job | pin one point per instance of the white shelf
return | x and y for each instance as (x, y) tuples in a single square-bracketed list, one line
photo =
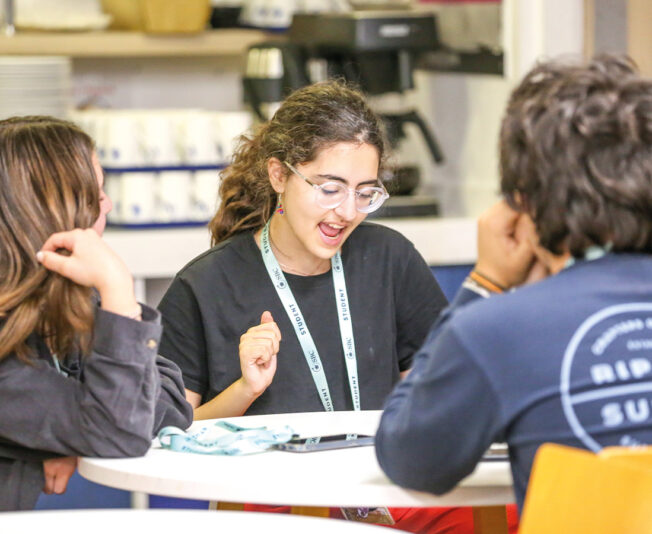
[(161, 253)]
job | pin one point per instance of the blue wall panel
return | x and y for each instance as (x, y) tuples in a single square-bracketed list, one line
[(450, 277), (84, 494)]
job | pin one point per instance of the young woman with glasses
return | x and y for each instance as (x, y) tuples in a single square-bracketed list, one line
[(79, 371), (301, 305), (255, 322)]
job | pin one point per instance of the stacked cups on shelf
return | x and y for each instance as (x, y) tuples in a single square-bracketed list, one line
[(162, 135), (162, 166), (201, 147)]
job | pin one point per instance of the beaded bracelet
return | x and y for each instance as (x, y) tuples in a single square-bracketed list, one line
[(483, 281)]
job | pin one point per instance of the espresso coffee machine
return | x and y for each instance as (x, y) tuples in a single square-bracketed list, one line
[(376, 50)]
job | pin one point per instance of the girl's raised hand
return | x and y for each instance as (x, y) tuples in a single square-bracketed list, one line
[(258, 349), (84, 258)]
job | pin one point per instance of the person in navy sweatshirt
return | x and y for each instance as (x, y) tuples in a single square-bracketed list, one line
[(550, 337)]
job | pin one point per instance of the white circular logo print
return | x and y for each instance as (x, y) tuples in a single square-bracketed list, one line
[(609, 363)]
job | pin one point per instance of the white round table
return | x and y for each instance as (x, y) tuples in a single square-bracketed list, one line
[(345, 477), (165, 521)]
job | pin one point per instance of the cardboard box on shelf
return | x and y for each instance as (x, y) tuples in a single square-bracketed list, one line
[(159, 16)]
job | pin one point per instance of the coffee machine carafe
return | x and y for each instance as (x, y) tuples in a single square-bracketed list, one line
[(407, 177), (377, 50)]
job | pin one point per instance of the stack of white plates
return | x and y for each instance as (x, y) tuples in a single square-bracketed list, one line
[(62, 15), (33, 85)]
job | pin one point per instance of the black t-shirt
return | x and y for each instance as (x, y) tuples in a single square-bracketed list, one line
[(218, 296)]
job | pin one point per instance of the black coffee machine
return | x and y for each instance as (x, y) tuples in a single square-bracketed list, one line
[(376, 50)]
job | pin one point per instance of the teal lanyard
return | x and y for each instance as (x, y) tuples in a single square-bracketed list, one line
[(301, 329), (210, 440), (57, 365)]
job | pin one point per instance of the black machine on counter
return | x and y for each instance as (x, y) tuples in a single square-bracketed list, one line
[(376, 50)]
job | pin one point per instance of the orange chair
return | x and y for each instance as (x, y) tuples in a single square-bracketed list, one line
[(573, 491)]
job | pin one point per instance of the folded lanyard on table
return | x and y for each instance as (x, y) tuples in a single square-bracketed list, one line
[(207, 440)]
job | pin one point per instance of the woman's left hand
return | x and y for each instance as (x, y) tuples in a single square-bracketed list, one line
[(57, 473)]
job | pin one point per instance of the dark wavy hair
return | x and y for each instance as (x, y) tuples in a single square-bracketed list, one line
[(576, 154), (47, 185), (309, 120)]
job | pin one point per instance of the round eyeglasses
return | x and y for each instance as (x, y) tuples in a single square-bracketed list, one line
[(330, 195)]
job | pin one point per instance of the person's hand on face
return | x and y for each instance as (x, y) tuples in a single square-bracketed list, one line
[(538, 271), (258, 349), (505, 250), (84, 258), (57, 473)]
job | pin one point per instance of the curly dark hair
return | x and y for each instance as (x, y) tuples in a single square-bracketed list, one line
[(309, 120), (576, 155)]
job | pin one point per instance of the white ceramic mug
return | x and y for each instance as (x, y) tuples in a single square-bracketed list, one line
[(137, 197), (205, 194), (95, 122), (161, 137), (230, 126), (278, 13), (124, 139), (174, 190), (199, 139)]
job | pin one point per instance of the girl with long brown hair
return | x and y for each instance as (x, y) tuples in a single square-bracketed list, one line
[(79, 374)]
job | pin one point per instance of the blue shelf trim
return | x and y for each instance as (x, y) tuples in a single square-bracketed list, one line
[(153, 225), (115, 170)]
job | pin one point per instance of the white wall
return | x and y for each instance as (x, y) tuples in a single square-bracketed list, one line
[(465, 110)]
